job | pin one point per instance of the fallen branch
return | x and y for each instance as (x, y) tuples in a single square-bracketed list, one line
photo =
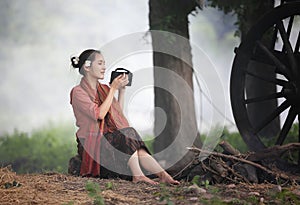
[(228, 148), (273, 152), (219, 169), (227, 168), (277, 174)]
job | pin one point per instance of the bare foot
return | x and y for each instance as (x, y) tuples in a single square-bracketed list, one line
[(136, 179), (166, 178)]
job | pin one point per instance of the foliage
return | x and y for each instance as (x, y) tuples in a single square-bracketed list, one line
[(94, 192), (292, 137), (167, 16), (205, 183), (232, 137), (195, 180), (148, 140), (165, 195), (235, 139), (110, 185), (244, 9), (45, 149), (285, 196), (69, 203)]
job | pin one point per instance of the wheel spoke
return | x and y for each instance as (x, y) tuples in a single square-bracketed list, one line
[(272, 116), (288, 47), (298, 136), (263, 98), (274, 38), (299, 127), (286, 126), (289, 29), (297, 43), (283, 69), (270, 80)]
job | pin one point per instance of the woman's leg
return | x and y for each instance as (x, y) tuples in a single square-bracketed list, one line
[(150, 164), (137, 173)]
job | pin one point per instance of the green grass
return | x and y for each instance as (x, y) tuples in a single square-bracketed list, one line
[(94, 192)]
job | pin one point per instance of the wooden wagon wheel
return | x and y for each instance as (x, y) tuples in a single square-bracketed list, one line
[(285, 65)]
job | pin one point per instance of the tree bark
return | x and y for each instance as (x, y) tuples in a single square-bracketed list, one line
[(166, 15)]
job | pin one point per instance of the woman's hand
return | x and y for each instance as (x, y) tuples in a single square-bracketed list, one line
[(120, 82)]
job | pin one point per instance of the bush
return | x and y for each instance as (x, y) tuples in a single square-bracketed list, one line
[(45, 149)]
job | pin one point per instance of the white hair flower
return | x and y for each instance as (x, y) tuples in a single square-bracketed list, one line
[(87, 63), (76, 60)]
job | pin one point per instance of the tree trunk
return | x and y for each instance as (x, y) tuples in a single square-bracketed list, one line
[(254, 86), (178, 123)]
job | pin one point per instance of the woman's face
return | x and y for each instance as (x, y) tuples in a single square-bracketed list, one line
[(97, 68)]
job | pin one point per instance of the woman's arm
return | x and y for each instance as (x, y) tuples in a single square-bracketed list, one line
[(105, 105), (121, 97), (122, 91), (118, 84)]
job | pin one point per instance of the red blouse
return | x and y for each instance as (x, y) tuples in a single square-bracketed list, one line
[(86, 111)]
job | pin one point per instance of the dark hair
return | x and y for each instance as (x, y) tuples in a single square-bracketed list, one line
[(78, 62)]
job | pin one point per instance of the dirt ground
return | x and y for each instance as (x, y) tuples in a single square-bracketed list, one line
[(55, 188)]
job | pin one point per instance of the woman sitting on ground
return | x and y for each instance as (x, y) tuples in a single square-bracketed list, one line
[(107, 145)]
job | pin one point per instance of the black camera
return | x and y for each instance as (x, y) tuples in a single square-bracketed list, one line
[(121, 71)]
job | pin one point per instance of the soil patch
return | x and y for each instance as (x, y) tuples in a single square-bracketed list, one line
[(55, 188)]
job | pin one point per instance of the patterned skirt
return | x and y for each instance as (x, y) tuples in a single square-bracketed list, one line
[(116, 149)]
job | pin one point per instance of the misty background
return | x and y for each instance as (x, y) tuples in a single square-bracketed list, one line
[(38, 37)]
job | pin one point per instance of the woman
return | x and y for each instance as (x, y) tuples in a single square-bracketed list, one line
[(107, 144)]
